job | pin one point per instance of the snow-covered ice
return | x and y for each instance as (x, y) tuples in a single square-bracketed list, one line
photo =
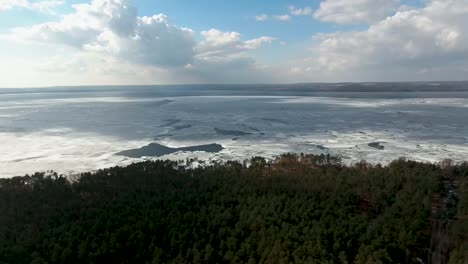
[(72, 133)]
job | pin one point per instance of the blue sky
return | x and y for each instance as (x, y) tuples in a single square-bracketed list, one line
[(56, 42), (205, 14), (239, 16)]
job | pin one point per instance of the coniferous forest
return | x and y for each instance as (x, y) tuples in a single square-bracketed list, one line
[(295, 209)]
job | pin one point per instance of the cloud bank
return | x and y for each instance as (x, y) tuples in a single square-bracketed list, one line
[(430, 40), (355, 11), (113, 28), (108, 42)]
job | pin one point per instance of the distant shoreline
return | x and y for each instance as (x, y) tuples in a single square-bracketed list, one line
[(411, 86)]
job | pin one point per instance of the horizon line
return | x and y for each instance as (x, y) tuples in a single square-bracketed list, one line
[(238, 84)]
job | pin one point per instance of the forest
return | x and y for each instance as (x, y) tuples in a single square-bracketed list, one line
[(296, 208)]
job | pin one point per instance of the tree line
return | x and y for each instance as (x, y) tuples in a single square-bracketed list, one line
[(295, 209)]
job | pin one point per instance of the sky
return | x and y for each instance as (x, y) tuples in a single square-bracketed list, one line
[(119, 42)]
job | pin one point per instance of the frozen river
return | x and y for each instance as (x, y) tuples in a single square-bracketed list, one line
[(78, 129)]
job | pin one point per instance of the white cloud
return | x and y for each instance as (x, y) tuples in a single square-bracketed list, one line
[(153, 41), (113, 27), (220, 46), (283, 18), (356, 11), (427, 43), (261, 18), (306, 11), (47, 6), (293, 11), (106, 42), (258, 42), (214, 39), (223, 57)]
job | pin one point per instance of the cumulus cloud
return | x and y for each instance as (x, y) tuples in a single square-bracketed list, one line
[(408, 44), (355, 11), (258, 42), (306, 11), (152, 41), (224, 57), (226, 46), (47, 6), (112, 26), (105, 41), (431, 40)]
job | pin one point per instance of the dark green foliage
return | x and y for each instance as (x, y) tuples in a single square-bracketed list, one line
[(459, 230), (298, 209)]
